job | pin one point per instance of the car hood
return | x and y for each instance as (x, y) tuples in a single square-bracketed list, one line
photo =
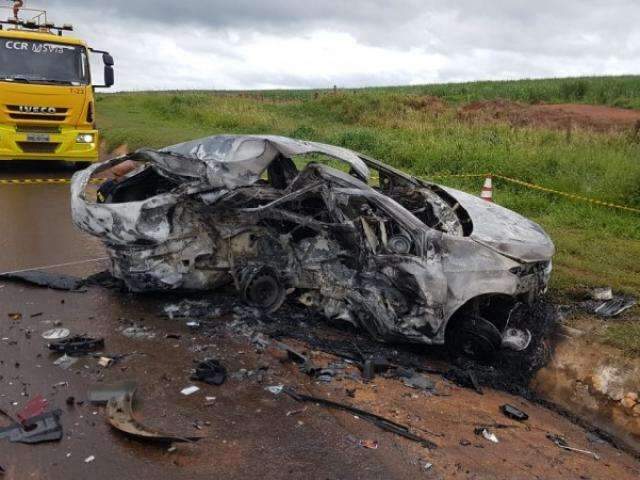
[(503, 230)]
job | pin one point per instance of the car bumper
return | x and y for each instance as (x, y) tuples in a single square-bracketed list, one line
[(56, 145)]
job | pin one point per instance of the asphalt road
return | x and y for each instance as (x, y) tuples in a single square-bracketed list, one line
[(250, 433)]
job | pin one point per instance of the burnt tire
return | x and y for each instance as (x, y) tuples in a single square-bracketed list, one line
[(474, 337), (262, 288)]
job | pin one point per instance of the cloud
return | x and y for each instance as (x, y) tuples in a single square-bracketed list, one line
[(247, 44)]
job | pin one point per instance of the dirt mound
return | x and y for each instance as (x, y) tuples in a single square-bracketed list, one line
[(559, 116), (429, 103)]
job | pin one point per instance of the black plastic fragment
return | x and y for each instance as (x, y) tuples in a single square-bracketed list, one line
[(513, 412), (378, 421), (375, 364), (210, 371), (77, 345), (46, 279), (40, 429), (104, 279)]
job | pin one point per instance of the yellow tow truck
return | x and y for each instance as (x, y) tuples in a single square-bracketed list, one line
[(47, 104)]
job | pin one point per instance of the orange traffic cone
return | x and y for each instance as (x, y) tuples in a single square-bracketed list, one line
[(487, 190)]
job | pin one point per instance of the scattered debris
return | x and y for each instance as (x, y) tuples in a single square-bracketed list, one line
[(486, 434), (194, 309), (210, 371), (34, 408), (43, 428), (373, 365), (65, 361), (120, 416), (138, 332), (16, 317), (419, 382), (371, 444), (296, 411), (614, 307), (275, 389), (513, 412), (106, 362), (46, 279), (380, 422), (189, 390), (602, 293), (561, 442), (56, 334), (101, 394), (77, 345)]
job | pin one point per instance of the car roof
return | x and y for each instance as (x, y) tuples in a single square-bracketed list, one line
[(238, 160)]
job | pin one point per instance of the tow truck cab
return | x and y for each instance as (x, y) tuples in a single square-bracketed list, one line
[(47, 104)]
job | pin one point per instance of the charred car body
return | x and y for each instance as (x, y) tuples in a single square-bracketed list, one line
[(405, 259)]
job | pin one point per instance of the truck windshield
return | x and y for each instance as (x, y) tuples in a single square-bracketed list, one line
[(31, 61)]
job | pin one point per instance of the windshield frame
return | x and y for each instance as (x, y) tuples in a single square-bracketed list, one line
[(85, 65)]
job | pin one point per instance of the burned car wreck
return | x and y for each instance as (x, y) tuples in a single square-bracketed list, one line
[(364, 243)]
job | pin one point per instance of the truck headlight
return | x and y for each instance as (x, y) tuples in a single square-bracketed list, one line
[(85, 138)]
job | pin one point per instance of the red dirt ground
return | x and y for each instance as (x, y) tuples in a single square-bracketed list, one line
[(558, 116)]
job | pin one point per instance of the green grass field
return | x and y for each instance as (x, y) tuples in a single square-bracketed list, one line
[(595, 245)]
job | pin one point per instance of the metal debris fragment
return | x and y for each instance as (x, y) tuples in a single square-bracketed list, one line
[(210, 371), (561, 442), (486, 434), (56, 334), (190, 390), (77, 345), (42, 278), (602, 293), (377, 420), (120, 416), (613, 308), (65, 361), (370, 444), (275, 389), (101, 394), (514, 412)]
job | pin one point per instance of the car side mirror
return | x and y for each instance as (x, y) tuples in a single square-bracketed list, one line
[(107, 59), (108, 76)]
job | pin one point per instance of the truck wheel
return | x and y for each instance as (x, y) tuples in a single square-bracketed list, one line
[(474, 337)]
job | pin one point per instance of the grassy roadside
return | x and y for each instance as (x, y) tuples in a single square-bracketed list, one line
[(596, 245)]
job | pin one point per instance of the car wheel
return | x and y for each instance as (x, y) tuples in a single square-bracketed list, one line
[(262, 288), (475, 337)]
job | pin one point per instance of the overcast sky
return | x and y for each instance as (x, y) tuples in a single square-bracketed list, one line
[(258, 44)]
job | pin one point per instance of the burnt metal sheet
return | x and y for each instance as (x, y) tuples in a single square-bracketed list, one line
[(121, 417), (42, 278)]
